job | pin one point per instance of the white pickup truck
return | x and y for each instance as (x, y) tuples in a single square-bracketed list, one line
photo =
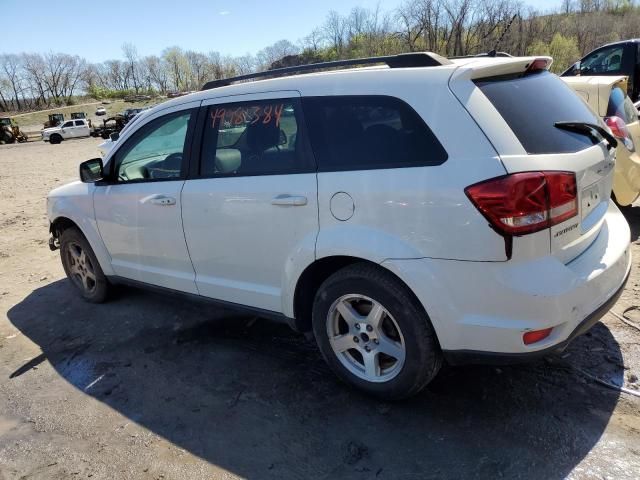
[(69, 129)]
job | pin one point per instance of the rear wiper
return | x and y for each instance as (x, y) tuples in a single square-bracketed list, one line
[(589, 129)]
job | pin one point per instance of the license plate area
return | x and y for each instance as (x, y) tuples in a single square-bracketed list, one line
[(591, 197)]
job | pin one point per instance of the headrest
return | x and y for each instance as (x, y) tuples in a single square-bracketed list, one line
[(228, 160), (262, 136)]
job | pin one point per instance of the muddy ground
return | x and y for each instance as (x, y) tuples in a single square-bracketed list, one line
[(154, 388)]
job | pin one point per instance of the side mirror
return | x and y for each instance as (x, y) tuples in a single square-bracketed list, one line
[(91, 171), (114, 136)]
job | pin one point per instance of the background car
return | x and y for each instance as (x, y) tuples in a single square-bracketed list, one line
[(608, 98), (101, 111), (613, 59)]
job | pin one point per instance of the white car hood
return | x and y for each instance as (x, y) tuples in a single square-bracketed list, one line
[(51, 130)]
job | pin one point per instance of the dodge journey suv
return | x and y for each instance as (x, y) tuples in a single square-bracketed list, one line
[(408, 212)]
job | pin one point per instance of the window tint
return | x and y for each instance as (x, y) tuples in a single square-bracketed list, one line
[(607, 60), (365, 132), (253, 138), (155, 151), (531, 104), (620, 105), (79, 123), (67, 125)]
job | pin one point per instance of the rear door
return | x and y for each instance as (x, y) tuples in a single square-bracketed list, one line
[(250, 212), (518, 108), (81, 128)]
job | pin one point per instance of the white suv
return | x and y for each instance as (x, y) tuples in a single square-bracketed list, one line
[(407, 213)]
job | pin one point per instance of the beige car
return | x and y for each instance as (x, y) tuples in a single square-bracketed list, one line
[(607, 97)]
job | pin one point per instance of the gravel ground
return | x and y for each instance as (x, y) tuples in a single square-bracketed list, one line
[(153, 388)]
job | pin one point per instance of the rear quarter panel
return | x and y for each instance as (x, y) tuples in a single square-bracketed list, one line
[(420, 211)]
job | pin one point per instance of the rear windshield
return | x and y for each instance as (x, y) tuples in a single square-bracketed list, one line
[(620, 105), (531, 104)]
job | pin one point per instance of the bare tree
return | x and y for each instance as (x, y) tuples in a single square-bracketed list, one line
[(11, 67), (130, 53), (275, 52), (157, 72), (177, 66), (334, 32)]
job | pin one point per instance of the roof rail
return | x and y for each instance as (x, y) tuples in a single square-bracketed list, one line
[(403, 60)]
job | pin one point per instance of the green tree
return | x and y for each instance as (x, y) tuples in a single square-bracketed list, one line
[(564, 51)]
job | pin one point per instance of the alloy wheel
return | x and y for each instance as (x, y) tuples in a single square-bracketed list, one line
[(81, 268), (365, 338)]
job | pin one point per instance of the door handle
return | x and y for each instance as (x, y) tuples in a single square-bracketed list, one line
[(289, 200), (162, 200)]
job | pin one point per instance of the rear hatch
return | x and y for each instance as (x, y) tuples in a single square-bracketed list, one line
[(520, 106)]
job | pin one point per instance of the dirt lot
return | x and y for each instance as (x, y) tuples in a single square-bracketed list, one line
[(153, 388)]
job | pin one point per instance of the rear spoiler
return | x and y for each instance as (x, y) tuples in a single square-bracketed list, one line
[(483, 67)]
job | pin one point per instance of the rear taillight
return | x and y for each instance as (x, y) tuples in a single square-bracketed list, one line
[(526, 202), (620, 130)]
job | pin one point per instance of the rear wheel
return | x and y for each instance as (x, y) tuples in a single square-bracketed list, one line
[(374, 334), (82, 267)]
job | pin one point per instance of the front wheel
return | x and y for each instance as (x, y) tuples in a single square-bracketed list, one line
[(82, 267), (55, 139), (374, 334)]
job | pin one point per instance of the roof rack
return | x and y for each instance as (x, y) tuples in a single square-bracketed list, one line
[(403, 60)]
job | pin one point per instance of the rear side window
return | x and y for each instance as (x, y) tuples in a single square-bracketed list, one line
[(620, 105), (254, 138), (367, 132), (531, 104), (79, 123)]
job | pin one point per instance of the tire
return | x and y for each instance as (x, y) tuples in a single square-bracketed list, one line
[(55, 139), (82, 267), (404, 354)]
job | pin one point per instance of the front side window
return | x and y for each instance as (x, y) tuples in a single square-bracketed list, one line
[(67, 125), (253, 138), (607, 60), (620, 105), (155, 151), (367, 132)]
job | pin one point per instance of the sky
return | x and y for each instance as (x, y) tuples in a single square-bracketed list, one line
[(97, 29)]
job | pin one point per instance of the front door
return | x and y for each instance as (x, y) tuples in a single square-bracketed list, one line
[(138, 210), (251, 208), (68, 130)]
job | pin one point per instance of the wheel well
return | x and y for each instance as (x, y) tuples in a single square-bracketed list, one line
[(61, 224), (311, 279)]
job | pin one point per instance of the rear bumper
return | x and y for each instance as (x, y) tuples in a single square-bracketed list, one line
[(480, 310), (464, 357)]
